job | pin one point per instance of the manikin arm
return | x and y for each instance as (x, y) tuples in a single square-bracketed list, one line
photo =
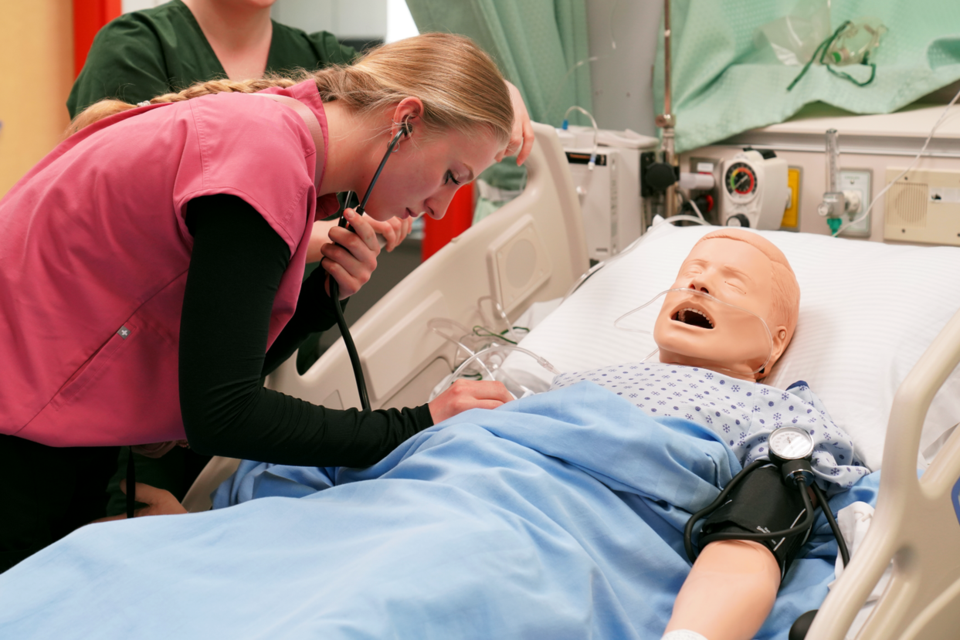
[(729, 592)]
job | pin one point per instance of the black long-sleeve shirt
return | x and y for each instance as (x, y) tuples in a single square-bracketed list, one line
[(234, 275)]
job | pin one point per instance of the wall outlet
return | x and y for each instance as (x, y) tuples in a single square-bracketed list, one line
[(857, 180)]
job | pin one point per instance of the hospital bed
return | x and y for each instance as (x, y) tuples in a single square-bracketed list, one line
[(533, 250)]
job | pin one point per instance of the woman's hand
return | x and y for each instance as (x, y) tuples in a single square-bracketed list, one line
[(351, 258), (160, 502), (393, 230), (521, 139), (468, 394)]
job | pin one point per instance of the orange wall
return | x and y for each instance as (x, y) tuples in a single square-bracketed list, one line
[(36, 73)]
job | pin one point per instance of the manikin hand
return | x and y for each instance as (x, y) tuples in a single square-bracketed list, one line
[(351, 258), (159, 502), (521, 139), (468, 394)]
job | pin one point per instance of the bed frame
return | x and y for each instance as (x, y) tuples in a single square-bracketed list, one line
[(533, 249)]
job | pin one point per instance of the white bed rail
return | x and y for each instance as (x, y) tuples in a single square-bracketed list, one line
[(915, 523)]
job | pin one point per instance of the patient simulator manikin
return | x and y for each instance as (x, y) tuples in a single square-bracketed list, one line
[(733, 583)]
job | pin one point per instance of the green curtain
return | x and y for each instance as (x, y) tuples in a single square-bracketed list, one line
[(727, 80), (536, 43)]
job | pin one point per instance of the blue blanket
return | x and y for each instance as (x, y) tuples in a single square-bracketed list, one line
[(557, 516)]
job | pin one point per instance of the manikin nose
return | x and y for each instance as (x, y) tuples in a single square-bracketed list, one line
[(698, 286)]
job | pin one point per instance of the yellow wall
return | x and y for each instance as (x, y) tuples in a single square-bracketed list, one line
[(36, 73)]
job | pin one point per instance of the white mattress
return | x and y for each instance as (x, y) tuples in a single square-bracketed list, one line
[(867, 312)]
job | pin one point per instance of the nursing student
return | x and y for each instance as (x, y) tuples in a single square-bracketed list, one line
[(151, 269), (147, 53)]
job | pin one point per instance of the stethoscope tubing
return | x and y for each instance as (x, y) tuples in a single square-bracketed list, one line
[(335, 288)]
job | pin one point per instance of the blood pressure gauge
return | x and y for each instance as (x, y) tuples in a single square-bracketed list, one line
[(790, 443), (791, 449), (754, 192), (740, 182)]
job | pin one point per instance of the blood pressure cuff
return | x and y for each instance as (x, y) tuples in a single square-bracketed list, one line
[(761, 502)]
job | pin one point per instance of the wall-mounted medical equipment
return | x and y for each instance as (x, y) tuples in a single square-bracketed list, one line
[(753, 191), (923, 206), (743, 188), (840, 204), (896, 179), (605, 166)]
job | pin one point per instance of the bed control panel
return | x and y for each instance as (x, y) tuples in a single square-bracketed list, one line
[(518, 264)]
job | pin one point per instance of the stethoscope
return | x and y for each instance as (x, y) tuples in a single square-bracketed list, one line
[(791, 450), (405, 130)]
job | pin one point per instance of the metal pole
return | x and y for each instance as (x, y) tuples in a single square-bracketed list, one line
[(666, 120)]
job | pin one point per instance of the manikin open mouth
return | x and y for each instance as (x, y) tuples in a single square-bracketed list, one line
[(693, 317)]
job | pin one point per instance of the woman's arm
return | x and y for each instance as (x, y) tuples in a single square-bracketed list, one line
[(234, 275), (235, 271)]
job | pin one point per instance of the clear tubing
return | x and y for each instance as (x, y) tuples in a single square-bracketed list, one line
[(501, 314), (596, 132), (543, 362), (459, 343), (449, 380), (833, 161)]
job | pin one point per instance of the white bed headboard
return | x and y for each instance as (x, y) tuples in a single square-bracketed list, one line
[(530, 250)]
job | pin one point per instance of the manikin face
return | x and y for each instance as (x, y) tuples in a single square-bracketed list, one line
[(696, 331), (425, 172)]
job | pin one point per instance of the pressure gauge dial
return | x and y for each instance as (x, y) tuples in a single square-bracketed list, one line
[(790, 443), (740, 181)]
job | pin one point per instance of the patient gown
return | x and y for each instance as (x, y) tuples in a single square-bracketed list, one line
[(741, 413)]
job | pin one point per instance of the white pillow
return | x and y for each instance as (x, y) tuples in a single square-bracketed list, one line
[(867, 312)]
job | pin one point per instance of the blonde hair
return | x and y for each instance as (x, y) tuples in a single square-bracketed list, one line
[(459, 85)]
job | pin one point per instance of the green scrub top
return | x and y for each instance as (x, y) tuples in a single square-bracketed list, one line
[(155, 51)]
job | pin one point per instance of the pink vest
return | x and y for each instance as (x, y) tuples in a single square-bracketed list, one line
[(94, 252)]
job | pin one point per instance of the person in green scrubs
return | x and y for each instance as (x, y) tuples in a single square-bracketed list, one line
[(168, 48)]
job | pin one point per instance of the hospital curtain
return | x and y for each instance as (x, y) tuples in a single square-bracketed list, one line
[(727, 79), (537, 45)]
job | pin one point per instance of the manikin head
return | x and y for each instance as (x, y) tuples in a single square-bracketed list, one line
[(744, 270)]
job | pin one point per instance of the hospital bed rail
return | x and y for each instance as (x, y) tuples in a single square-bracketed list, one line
[(916, 523)]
